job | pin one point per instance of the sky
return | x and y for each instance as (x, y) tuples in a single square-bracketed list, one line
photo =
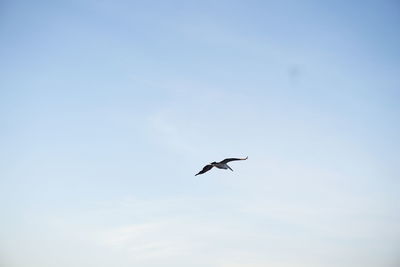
[(109, 108)]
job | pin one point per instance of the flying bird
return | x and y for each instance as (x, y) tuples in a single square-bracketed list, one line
[(220, 165)]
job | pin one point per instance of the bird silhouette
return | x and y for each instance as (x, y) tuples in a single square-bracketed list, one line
[(220, 165)]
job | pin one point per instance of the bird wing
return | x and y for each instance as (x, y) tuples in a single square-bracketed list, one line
[(231, 159), (205, 169)]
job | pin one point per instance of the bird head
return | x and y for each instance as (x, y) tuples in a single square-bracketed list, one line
[(212, 163)]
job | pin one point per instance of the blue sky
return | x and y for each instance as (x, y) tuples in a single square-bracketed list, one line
[(109, 108)]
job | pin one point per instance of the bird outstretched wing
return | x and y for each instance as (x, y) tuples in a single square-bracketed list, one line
[(205, 169), (231, 159)]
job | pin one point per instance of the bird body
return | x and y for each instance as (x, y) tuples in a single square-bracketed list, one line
[(220, 165)]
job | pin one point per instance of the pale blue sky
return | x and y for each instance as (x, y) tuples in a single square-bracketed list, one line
[(109, 108)]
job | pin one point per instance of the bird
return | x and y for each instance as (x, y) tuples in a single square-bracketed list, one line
[(220, 165)]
